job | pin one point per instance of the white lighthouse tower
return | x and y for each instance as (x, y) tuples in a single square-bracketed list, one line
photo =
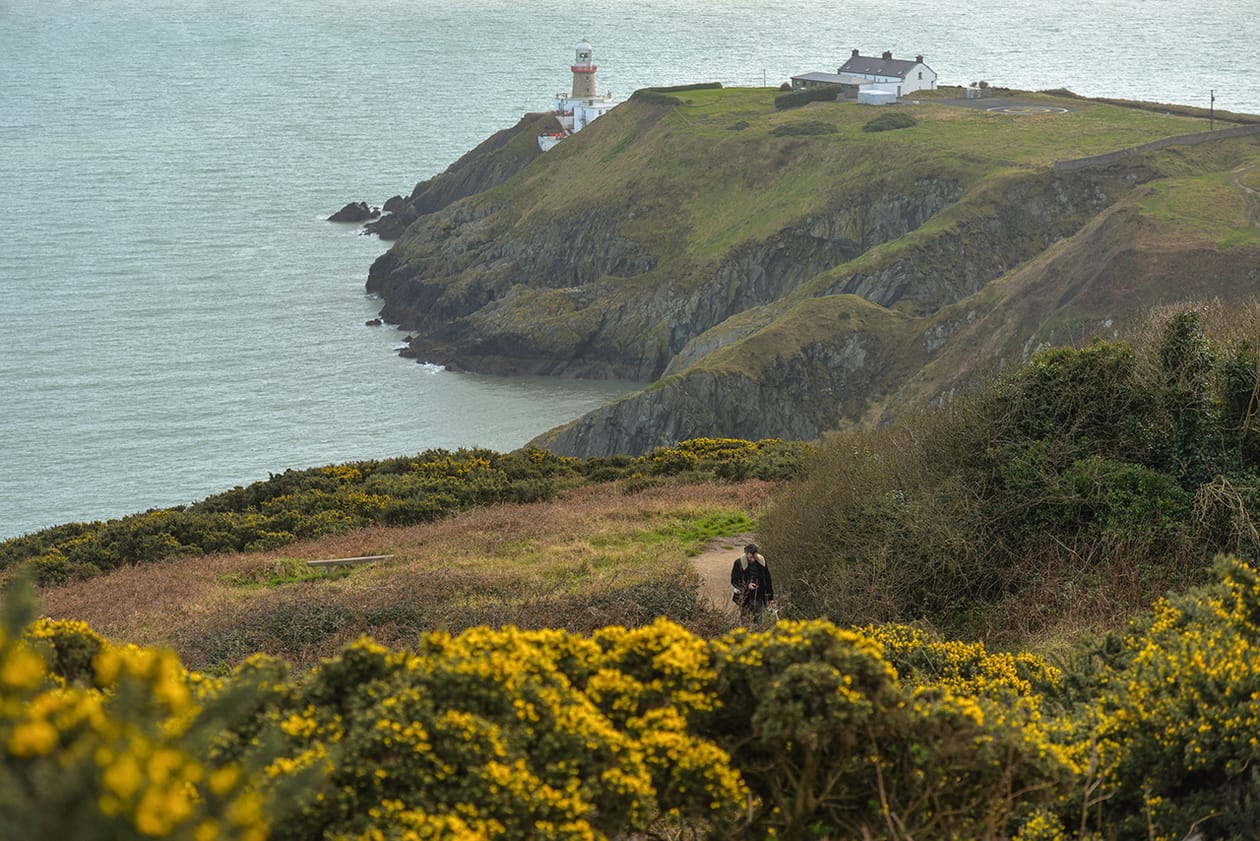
[(582, 105)]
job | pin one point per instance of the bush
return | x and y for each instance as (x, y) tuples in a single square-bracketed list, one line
[(1129, 455), (655, 97), (114, 744), (888, 122), (795, 99), (831, 742), (802, 731), (1175, 733), (694, 86)]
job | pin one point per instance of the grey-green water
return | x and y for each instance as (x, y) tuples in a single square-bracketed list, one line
[(176, 317)]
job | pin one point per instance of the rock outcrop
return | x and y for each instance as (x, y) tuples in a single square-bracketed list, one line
[(355, 211)]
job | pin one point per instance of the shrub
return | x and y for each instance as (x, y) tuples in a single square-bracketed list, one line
[(511, 734), (119, 751), (694, 86), (1119, 453), (72, 648), (805, 128), (655, 97), (1175, 733), (828, 738), (795, 99), (890, 121)]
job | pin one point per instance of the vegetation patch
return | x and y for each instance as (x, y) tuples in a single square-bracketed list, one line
[(650, 730), (694, 533), (1083, 463), (339, 499), (1214, 206), (655, 97), (804, 128), (694, 86), (795, 99), (282, 571), (890, 121)]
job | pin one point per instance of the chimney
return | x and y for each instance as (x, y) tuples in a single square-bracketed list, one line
[(887, 55), (855, 53), (918, 59)]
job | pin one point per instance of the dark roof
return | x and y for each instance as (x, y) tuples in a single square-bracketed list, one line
[(876, 66), (830, 78)]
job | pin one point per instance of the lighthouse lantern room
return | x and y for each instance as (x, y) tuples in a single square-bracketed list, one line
[(582, 105)]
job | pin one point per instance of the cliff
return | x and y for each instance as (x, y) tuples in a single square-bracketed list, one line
[(765, 277)]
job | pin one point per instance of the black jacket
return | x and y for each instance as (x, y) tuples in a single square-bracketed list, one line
[(756, 573)]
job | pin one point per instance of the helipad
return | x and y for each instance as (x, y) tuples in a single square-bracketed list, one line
[(1027, 109)]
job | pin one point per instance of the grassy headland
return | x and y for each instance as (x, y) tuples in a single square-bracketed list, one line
[(661, 240)]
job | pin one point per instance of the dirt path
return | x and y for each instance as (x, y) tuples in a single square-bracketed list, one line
[(1251, 197), (714, 566)]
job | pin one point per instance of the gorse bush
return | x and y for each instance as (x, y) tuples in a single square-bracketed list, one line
[(102, 741), (337, 499), (524, 734), (801, 731), (1141, 452), (1175, 732)]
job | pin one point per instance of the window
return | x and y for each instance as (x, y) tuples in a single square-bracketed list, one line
[(920, 74)]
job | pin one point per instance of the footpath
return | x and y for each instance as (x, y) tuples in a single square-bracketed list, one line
[(714, 566)]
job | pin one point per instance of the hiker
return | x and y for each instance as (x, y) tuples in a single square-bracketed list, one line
[(750, 578)]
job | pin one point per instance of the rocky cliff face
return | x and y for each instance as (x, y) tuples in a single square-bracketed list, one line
[(493, 161), (468, 283), (796, 395), (822, 307)]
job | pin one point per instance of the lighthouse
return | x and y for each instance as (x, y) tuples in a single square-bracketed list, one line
[(582, 105), (583, 72)]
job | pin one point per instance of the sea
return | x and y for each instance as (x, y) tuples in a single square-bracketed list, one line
[(177, 315)]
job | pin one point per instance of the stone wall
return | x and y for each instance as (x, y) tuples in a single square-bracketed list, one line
[(1178, 140)]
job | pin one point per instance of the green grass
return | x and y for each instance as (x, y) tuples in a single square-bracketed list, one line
[(692, 533), (1212, 206), (697, 188), (280, 572)]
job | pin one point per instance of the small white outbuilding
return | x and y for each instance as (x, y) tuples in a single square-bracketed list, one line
[(875, 97)]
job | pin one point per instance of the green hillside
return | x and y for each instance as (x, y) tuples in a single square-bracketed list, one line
[(656, 242)]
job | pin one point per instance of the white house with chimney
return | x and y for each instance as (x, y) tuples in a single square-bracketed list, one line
[(582, 105), (895, 75)]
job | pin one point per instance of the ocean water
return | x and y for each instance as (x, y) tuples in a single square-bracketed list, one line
[(177, 318)]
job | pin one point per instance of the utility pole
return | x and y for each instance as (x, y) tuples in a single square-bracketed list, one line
[(763, 77), (1212, 109)]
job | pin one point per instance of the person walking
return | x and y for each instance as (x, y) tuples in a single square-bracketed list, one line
[(750, 580)]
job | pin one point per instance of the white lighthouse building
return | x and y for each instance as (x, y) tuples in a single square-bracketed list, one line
[(582, 105)]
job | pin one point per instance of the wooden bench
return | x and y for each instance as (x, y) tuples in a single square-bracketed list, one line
[(328, 563)]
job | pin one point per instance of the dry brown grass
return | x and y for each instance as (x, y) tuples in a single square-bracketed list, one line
[(578, 562)]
